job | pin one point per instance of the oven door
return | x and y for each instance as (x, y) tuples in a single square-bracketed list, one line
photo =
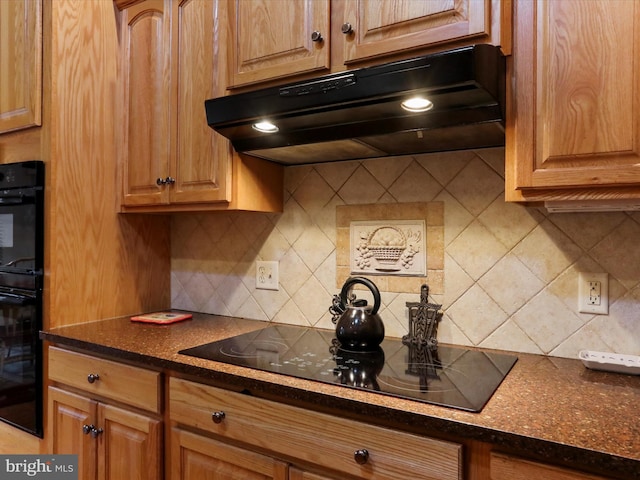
[(21, 230), (21, 359)]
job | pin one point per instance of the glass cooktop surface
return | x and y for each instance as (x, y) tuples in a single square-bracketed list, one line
[(444, 375)]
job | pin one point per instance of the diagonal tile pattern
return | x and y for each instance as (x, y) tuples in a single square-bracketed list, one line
[(510, 272)]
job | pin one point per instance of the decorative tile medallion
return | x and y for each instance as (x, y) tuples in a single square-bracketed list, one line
[(400, 245), (393, 247)]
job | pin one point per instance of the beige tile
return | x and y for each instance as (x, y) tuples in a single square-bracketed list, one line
[(587, 229), (343, 247), (456, 217), (313, 247), (294, 176), (314, 193), (509, 222), (361, 187), (387, 170), (476, 186), (444, 166), (292, 315), (546, 251), (415, 185), (587, 338), (494, 157), (293, 272), (456, 281), (435, 248), (476, 250), (312, 300), (476, 314), (547, 321), (270, 301), (274, 247), (293, 221), (619, 253), (510, 334), (336, 173), (510, 283), (450, 333)]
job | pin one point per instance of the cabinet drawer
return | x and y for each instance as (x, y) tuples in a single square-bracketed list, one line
[(134, 386), (317, 438)]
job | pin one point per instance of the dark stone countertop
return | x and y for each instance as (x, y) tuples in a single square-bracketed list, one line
[(548, 408)]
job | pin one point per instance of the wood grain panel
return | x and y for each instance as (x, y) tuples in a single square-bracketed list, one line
[(197, 457), (320, 439), (100, 265), (131, 385), (573, 132), (20, 64), (381, 28), (505, 467), (129, 445), (202, 158), (272, 39)]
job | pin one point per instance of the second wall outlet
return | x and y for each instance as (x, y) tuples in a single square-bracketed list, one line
[(593, 293), (267, 275)]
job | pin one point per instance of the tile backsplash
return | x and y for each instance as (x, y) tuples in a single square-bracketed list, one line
[(510, 272)]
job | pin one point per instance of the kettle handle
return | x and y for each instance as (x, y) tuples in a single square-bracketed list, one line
[(351, 281)]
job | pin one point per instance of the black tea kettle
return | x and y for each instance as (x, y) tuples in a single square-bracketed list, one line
[(359, 326)]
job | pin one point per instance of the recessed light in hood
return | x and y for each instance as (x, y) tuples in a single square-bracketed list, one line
[(358, 114)]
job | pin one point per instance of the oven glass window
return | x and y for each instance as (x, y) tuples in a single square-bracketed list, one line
[(19, 358), (18, 236)]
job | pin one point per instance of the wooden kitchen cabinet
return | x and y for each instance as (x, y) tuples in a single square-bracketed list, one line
[(270, 40), (172, 160), (197, 457), (507, 467), (316, 445), (573, 131), (20, 64), (112, 422)]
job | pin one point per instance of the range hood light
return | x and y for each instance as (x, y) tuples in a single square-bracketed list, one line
[(265, 127), (417, 105)]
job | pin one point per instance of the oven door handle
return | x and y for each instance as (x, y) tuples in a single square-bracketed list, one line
[(20, 199), (10, 299)]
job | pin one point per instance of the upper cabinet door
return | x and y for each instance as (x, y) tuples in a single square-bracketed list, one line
[(144, 121), (574, 123), (380, 27), (272, 39), (201, 158), (20, 64)]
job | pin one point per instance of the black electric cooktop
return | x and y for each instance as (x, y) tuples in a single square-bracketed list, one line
[(443, 375)]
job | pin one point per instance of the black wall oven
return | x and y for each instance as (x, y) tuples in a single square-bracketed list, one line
[(21, 279)]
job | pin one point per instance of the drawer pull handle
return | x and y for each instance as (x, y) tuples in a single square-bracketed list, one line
[(217, 417), (93, 377), (87, 429), (361, 456), (95, 432)]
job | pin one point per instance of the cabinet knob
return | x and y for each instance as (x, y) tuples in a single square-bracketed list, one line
[(93, 377), (361, 456), (160, 181), (217, 417), (346, 28), (316, 36), (86, 429), (169, 180), (95, 432)]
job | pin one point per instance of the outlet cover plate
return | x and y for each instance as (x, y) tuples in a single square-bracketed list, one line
[(584, 305), (267, 275)]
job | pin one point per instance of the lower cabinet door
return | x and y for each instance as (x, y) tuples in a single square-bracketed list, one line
[(296, 474), (195, 457), (129, 444), (68, 414)]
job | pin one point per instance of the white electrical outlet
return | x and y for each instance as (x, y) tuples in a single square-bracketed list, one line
[(267, 275), (593, 293)]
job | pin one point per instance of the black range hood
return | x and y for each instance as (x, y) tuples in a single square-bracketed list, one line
[(356, 114)]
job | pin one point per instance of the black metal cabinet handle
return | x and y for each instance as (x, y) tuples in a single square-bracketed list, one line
[(87, 429), (93, 377), (346, 28), (361, 456), (95, 432), (316, 36), (218, 417), (169, 180), (160, 181)]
